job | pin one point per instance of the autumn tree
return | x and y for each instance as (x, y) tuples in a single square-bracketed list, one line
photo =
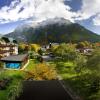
[(66, 51), (34, 47)]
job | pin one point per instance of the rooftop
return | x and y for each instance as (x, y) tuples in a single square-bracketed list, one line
[(15, 58)]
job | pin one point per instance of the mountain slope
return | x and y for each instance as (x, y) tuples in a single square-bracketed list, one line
[(53, 30)]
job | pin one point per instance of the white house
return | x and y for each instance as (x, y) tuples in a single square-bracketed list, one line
[(7, 49)]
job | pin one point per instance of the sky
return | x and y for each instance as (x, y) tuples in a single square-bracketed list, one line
[(14, 13)]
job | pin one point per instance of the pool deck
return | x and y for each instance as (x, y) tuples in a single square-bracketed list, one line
[(44, 90)]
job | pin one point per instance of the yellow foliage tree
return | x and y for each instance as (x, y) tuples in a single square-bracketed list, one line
[(44, 72), (35, 47)]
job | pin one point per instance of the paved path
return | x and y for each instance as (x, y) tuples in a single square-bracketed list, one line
[(46, 58), (44, 90)]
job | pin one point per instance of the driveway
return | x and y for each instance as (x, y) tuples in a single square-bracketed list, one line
[(44, 90), (46, 58)]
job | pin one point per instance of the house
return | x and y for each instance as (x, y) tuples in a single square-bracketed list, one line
[(85, 50), (49, 46), (7, 49), (15, 61), (98, 44)]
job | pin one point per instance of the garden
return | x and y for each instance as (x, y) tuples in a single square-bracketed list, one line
[(79, 72), (11, 80)]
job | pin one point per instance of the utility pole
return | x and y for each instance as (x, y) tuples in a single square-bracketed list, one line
[(46, 41)]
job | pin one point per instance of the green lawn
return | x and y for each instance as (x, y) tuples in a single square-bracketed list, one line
[(18, 73), (31, 65)]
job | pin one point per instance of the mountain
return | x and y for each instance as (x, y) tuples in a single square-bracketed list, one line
[(0, 35), (53, 30)]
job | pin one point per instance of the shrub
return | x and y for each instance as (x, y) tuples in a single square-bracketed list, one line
[(40, 59), (40, 52), (1, 65), (94, 61), (66, 52), (44, 72), (80, 62), (21, 47), (33, 55), (4, 83), (35, 47), (95, 85), (15, 91)]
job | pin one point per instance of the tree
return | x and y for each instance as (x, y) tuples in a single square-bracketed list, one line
[(80, 62), (83, 44), (6, 39), (15, 91), (40, 52), (15, 42), (27, 48), (1, 64), (34, 47), (44, 72), (21, 47), (54, 47), (94, 61), (66, 52)]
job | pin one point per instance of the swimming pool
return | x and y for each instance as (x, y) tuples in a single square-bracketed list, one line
[(13, 65)]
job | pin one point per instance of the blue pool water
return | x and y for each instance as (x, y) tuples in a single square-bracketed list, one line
[(13, 65)]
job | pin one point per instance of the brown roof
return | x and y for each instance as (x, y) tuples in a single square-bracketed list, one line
[(15, 58), (97, 44)]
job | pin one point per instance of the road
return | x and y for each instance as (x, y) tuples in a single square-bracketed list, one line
[(46, 58), (44, 90)]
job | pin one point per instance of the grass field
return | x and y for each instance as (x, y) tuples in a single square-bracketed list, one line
[(31, 65)]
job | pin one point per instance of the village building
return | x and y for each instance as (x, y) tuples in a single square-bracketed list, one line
[(15, 61), (9, 55), (7, 49), (85, 50)]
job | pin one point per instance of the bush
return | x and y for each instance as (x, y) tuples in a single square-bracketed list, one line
[(4, 83), (66, 52), (15, 91), (1, 65), (44, 72), (80, 62), (94, 61), (40, 59), (34, 47), (40, 52), (95, 85), (33, 55)]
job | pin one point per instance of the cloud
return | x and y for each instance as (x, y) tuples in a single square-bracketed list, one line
[(36, 9), (96, 20), (89, 9), (54, 8)]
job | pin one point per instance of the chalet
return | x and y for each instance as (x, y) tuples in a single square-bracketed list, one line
[(48, 46), (7, 49), (98, 44), (85, 50), (15, 61)]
